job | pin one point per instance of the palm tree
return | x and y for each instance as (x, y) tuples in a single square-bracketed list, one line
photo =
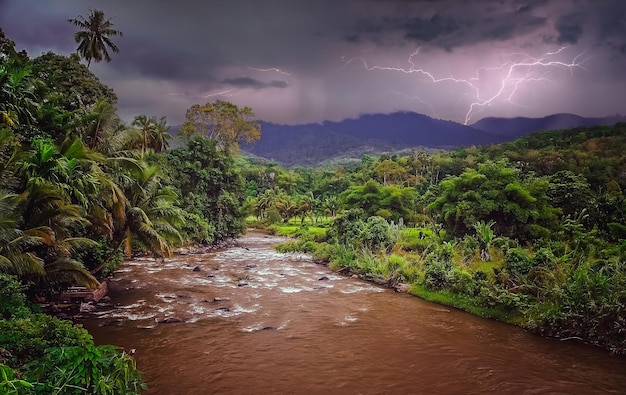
[(160, 135), (93, 38), (150, 215), (144, 124), (17, 98), (154, 133)]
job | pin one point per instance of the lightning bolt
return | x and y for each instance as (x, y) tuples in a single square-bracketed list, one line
[(227, 92), (270, 69), (519, 69)]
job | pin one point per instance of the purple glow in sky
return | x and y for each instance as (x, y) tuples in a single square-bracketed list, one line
[(297, 61)]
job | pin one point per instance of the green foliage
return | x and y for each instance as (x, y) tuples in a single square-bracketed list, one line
[(12, 299), (393, 202), (209, 186), (94, 37), (92, 256), (436, 274), (347, 227), (196, 229), (27, 338), (97, 370), (10, 384), (517, 263), (223, 123), (376, 234), (493, 192)]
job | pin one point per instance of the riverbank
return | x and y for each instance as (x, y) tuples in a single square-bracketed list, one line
[(249, 311), (575, 308)]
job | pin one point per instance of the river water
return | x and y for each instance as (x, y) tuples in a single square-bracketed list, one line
[(249, 320)]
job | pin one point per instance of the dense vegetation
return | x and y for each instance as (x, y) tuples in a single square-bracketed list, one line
[(531, 232), (79, 191)]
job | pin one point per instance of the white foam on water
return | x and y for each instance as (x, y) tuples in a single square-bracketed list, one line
[(347, 320), (139, 303), (253, 328), (356, 289), (291, 290), (167, 298)]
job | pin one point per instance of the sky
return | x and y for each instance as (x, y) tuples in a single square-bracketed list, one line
[(301, 61)]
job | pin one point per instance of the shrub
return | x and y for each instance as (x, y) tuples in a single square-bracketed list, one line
[(517, 263), (461, 281), (12, 299), (376, 235), (27, 338), (100, 370), (435, 274)]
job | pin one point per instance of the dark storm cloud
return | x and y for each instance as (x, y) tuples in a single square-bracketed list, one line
[(428, 29), (247, 82), (175, 54), (475, 22), (569, 28)]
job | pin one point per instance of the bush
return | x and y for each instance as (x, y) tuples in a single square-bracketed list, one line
[(100, 370), (196, 229), (435, 275), (27, 338), (517, 263), (12, 299), (376, 234), (461, 281)]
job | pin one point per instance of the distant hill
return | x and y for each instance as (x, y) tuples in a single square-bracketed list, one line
[(311, 144), (512, 128)]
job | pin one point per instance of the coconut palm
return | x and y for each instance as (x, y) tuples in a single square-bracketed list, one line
[(160, 135), (93, 38), (154, 133), (150, 215), (14, 243), (52, 212)]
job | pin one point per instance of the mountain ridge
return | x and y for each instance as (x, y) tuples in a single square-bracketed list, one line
[(311, 144)]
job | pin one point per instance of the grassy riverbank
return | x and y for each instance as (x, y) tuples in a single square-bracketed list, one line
[(526, 287)]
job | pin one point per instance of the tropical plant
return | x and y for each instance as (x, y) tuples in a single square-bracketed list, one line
[(485, 236), (17, 99), (93, 38), (94, 370)]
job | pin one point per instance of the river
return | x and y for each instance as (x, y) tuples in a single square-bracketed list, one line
[(249, 320)]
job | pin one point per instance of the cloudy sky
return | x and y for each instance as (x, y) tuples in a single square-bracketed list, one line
[(296, 61)]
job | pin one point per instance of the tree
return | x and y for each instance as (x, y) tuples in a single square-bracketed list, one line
[(17, 99), (209, 185), (222, 122), (493, 192), (94, 39), (154, 133)]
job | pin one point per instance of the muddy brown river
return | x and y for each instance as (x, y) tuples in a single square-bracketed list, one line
[(249, 320)]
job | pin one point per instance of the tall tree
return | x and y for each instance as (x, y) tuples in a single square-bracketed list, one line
[(222, 122), (94, 39)]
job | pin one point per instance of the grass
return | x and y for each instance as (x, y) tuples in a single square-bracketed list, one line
[(466, 303)]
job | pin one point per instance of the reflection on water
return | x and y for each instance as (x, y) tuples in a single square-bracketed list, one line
[(250, 320)]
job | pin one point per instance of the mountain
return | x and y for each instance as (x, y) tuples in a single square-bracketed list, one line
[(311, 144), (512, 128)]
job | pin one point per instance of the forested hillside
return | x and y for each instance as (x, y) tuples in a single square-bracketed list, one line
[(79, 192), (531, 232)]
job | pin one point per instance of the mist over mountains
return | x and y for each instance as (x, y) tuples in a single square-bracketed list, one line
[(313, 143)]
